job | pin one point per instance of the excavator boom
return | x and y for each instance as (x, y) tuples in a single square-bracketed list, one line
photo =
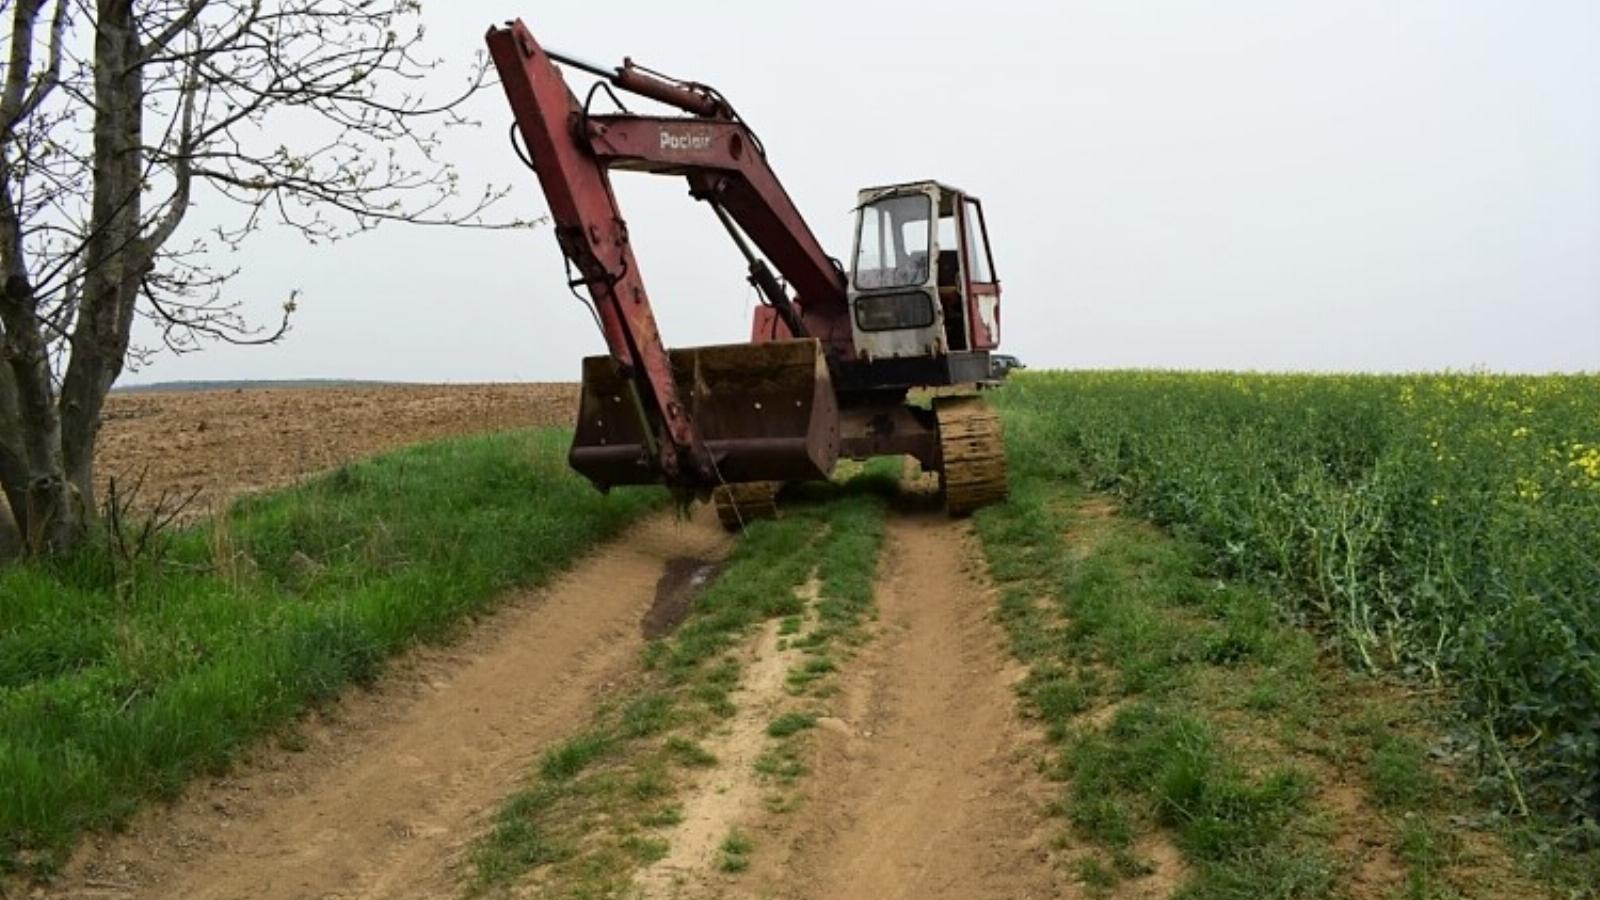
[(639, 410)]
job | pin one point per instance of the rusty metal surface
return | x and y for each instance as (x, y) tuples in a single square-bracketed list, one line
[(594, 237), (889, 428), (766, 412), (983, 297), (724, 164), (972, 464)]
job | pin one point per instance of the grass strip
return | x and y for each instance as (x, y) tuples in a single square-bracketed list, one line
[(119, 683), (1094, 627)]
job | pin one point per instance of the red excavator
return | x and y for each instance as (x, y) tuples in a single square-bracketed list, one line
[(832, 355)]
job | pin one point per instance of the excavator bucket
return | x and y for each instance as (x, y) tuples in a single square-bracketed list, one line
[(766, 412)]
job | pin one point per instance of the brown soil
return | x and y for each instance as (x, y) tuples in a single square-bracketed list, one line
[(390, 785), (925, 788), (227, 443)]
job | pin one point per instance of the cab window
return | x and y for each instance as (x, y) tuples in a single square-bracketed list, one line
[(978, 245), (893, 242)]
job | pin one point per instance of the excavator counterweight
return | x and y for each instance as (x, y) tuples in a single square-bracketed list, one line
[(832, 354)]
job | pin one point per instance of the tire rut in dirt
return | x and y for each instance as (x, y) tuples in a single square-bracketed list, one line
[(383, 802), (929, 792)]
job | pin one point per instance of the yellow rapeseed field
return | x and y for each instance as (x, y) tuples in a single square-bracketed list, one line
[(1447, 525)]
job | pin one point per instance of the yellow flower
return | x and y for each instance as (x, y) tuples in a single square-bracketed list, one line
[(1586, 460), (1520, 432)]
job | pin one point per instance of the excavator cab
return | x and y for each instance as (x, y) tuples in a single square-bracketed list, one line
[(922, 280)]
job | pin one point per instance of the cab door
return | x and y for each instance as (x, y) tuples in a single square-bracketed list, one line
[(983, 285)]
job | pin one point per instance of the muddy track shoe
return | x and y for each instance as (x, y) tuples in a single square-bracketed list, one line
[(972, 453), (740, 504)]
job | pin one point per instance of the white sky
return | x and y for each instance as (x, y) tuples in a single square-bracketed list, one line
[(1364, 185)]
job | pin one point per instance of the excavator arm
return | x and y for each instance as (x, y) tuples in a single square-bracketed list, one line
[(646, 410)]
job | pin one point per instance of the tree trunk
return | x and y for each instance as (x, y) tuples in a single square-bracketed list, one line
[(31, 470), (47, 451), (118, 258)]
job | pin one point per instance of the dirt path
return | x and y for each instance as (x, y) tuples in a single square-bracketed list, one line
[(382, 800), (925, 790), (922, 784)]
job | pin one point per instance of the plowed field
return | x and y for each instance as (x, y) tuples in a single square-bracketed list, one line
[(232, 442)]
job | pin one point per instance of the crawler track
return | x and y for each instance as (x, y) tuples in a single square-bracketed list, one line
[(740, 504), (973, 452)]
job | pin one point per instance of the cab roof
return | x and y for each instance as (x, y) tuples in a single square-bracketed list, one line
[(868, 193)]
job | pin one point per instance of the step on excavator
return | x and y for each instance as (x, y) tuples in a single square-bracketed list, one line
[(833, 356)]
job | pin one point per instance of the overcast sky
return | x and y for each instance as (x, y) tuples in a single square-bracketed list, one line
[(1363, 185)]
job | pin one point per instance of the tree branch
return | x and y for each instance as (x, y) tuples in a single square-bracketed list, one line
[(20, 65), (156, 45), (182, 166), (200, 321), (51, 76)]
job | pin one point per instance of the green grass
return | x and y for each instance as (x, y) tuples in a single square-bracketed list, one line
[(1183, 699), (1439, 524), (1095, 876), (564, 761), (583, 813), (662, 817), (1133, 653), (736, 848), (116, 687), (689, 752), (646, 850), (791, 723), (1400, 775)]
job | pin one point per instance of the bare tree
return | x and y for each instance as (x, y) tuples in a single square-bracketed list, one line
[(114, 114)]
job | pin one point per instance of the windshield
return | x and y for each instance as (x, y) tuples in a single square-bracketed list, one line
[(892, 246)]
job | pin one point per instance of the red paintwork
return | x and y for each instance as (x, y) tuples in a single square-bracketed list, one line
[(590, 229), (631, 79), (768, 326), (982, 337), (722, 162)]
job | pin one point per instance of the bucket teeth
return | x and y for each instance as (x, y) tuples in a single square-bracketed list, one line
[(972, 453), (740, 504)]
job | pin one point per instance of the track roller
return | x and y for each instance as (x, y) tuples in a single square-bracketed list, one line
[(740, 504), (973, 455)]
